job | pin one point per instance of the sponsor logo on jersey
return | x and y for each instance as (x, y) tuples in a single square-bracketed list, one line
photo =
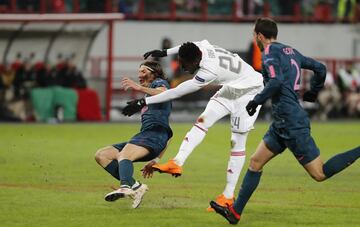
[(288, 51)]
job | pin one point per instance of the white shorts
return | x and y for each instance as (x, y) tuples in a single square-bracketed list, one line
[(235, 100)]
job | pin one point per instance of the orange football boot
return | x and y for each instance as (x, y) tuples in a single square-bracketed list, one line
[(170, 167), (222, 201)]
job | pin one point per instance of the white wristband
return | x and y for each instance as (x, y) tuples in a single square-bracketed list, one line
[(156, 160)]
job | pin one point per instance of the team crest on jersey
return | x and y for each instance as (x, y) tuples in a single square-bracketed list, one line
[(199, 79)]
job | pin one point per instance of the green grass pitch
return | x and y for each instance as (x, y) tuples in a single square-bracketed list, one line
[(48, 177)]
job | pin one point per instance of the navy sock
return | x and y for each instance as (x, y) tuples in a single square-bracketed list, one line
[(340, 161), (126, 171), (249, 184), (113, 169)]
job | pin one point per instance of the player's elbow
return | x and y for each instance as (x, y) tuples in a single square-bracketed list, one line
[(322, 71), (322, 67), (275, 85)]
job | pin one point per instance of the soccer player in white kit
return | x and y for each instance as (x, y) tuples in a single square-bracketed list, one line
[(211, 64)]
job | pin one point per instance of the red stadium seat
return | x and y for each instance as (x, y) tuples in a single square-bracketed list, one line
[(88, 108)]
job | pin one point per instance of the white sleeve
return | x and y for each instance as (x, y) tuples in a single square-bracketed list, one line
[(182, 89), (204, 77), (173, 50)]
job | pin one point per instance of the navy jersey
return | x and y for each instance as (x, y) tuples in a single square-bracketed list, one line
[(282, 75), (156, 114)]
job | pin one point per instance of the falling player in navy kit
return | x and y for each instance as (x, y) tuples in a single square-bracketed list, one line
[(291, 127), (148, 145)]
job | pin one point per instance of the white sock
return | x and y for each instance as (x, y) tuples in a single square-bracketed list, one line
[(235, 165), (236, 162), (193, 138)]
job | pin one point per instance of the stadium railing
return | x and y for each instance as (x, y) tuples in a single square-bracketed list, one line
[(127, 66)]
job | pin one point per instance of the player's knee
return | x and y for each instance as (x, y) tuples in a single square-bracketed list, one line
[(238, 141), (126, 155), (204, 122), (100, 155), (319, 177), (121, 157), (255, 164)]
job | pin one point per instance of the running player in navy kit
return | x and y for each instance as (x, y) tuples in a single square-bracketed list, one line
[(148, 145), (291, 127)]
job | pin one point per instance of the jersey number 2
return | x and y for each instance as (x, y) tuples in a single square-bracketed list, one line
[(227, 62), (297, 80)]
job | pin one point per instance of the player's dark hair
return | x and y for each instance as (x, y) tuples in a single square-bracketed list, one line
[(155, 68), (267, 27), (189, 52)]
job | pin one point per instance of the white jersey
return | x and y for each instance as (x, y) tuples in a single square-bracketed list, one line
[(219, 66)]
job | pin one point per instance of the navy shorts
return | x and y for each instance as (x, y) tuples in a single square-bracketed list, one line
[(300, 143), (154, 139)]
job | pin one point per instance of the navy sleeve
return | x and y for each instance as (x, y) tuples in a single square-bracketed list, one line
[(318, 79), (273, 76), (265, 75)]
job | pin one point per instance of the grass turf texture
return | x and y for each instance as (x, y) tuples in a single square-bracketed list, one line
[(48, 177)]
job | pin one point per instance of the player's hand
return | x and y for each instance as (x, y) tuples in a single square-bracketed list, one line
[(310, 96), (147, 170), (251, 107), (133, 107), (156, 54), (130, 84)]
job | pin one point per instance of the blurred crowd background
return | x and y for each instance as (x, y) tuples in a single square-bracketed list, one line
[(33, 90), (286, 10)]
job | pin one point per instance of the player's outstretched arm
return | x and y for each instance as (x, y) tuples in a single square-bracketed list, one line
[(182, 89), (136, 105), (130, 84), (155, 54), (133, 107), (161, 53)]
